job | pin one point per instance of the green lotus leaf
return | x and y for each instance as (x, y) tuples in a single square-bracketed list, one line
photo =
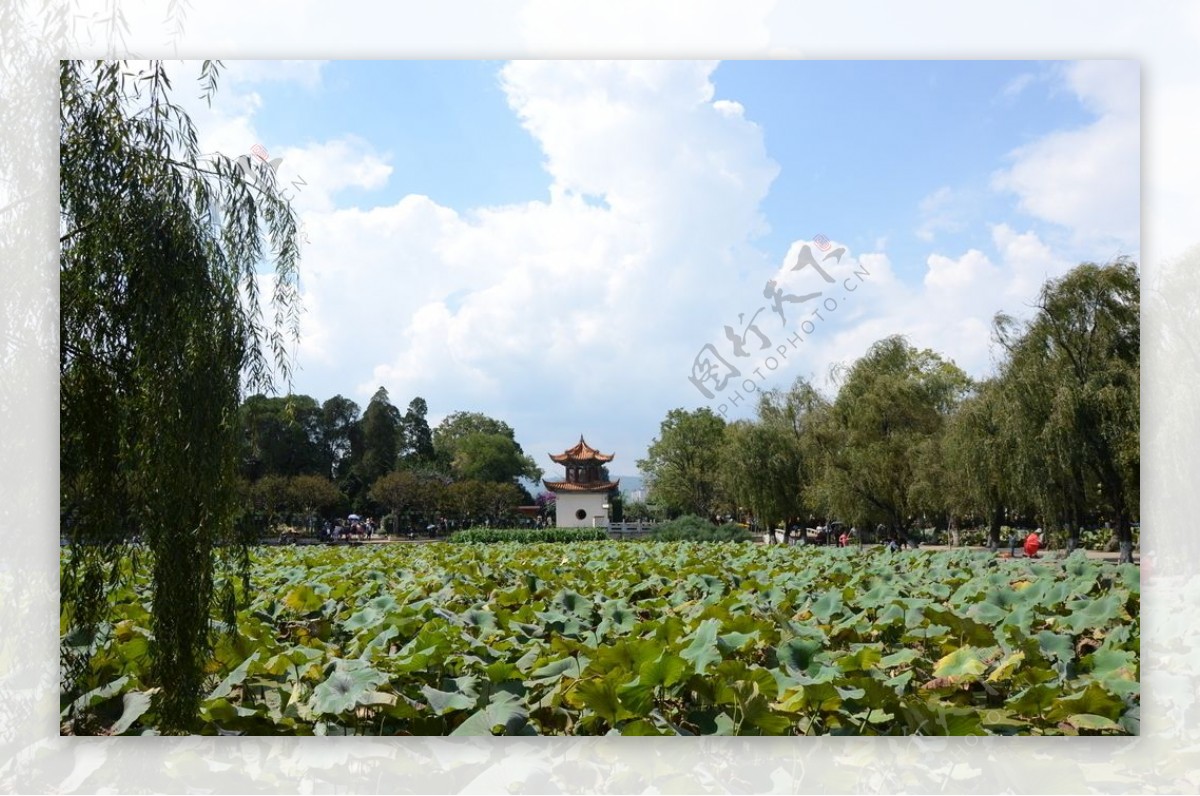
[(733, 642), (1056, 646), (556, 670), (898, 658), (988, 613), (861, 660), (827, 606), (962, 665), (626, 654), (666, 670), (303, 599), (640, 727), (443, 702), (366, 618), (350, 684), (1032, 701), (485, 621), (890, 614), (235, 678), (504, 710), (572, 602), (637, 697), (601, 696), (1097, 613), (616, 615), (1005, 669), (798, 654), (702, 652), (1090, 721), (1095, 699)]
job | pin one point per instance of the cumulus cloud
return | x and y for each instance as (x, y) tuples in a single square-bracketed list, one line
[(1087, 179), (950, 310), (584, 307), (585, 310)]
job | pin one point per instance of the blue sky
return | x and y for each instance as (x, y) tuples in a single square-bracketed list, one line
[(554, 243)]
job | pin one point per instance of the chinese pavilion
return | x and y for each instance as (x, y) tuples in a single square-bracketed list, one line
[(582, 499)]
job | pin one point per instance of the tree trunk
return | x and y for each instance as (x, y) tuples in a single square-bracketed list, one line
[(1073, 528), (994, 527), (1125, 539)]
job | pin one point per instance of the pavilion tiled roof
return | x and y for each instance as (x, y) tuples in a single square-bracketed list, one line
[(582, 452), (569, 486)]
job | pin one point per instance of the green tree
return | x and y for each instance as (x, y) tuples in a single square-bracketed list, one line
[(161, 319), (418, 439), (312, 496), (1074, 373), (379, 440), (682, 463), (465, 502), (468, 445), (869, 445), (413, 497), (457, 425), (979, 452), (491, 457), (339, 433), (282, 436), (500, 500)]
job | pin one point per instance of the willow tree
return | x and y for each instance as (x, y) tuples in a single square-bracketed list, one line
[(682, 464), (1074, 374), (979, 456), (760, 469), (765, 464), (163, 327), (869, 446)]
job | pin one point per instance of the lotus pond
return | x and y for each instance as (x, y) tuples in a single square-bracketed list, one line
[(648, 639)]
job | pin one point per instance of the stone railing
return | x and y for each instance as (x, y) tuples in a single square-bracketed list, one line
[(630, 530)]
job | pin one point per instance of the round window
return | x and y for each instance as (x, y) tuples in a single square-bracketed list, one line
[(580, 514)]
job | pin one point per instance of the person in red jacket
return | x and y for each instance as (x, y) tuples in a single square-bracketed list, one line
[(1032, 544)]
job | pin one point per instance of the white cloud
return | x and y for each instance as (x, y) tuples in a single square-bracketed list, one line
[(1018, 84), (949, 311), (938, 214), (573, 313), (312, 174), (548, 307), (950, 276), (1087, 179)]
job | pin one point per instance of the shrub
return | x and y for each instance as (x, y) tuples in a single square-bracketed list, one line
[(690, 528), (527, 535)]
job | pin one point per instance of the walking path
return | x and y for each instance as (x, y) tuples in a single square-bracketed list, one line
[(1099, 555)]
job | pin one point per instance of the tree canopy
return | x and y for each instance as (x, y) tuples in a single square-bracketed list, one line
[(682, 464), (1052, 437), (162, 326)]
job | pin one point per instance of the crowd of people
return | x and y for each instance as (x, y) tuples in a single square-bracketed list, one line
[(354, 527), (835, 533)]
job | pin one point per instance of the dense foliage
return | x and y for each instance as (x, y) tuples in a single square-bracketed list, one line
[(163, 324), (690, 528), (645, 639), (304, 462), (1051, 440), (527, 535)]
